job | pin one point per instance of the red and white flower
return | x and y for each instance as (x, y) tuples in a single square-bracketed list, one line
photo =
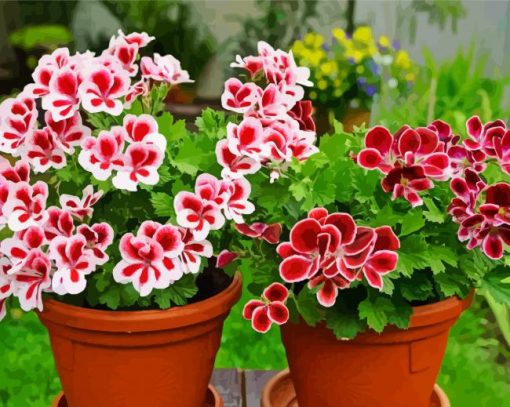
[(237, 203), (140, 165), (270, 233), (59, 223), (103, 154), (4, 195), (98, 237), (26, 205), (270, 309), (81, 207), (246, 138), (18, 117), (193, 251), (46, 67), (140, 39), (140, 88), (225, 258), (482, 136), (143, 128), (164, 69), (239, 97), (18, 248), (62, 100), (43, 151), (199, 215), (102, 89), (73, 261), (67, 133), (235, 166), (5, 285)]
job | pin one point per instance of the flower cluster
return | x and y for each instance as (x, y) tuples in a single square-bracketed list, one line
[(330, 252), (270, 309), (137, 163), (277, 123), (353, 65), (411, 158), (48, 251)]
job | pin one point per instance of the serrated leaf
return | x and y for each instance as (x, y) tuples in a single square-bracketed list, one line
[(452, 283), (495, 283), (412, 222), (433, 213), (344, 323), (381, 311), (309, 308), (162, 204), (111, 297)]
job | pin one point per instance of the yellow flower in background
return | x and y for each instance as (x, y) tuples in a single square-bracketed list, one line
[(384, 41), (298, 48), (329, 67), (410, 77), (313, 40), (363, 35), (360, 69), (322, 84), (339, 35), (402, 60)]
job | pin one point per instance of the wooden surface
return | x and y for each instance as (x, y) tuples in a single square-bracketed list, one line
[(241, 388)]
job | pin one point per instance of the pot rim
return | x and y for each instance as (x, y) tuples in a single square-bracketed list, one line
[(92, 319)]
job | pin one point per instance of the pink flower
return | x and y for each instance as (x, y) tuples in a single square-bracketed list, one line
[(329, 286), (140, 165), (143, 261), (46, 67), (140, 39), (302, 113), (43, 151), (62, 100), (210, 188), (18, 117), (102, 89), (482, 136), (26, 205), (18, 172), (4, 195), (31, 280), (100, 155), (197, 214), (73, 262), (59, 223), (81, 207), (246, 138), (270, 309), (140, 88), (18, 248), (239, 97), (67, 133), (126, 53), (5, 285), (502, 149), (252, 64), (235, 166), (225, 258), (164, 69), (194, 250), (143, 128), (98, 237), (270, 233), (237, 203)]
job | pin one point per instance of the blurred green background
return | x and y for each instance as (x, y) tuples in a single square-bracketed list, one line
[(462, 55)]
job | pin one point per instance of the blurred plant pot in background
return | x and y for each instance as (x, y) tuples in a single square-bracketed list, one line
[(397, 368), (138, 358), (349, 118)]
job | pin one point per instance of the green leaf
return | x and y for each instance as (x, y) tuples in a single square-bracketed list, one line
[(418, 287), (177, 294), (433, 213), (497, 287), (309, 308), (111, 297), (344, 322), (381, 311), (412, 222), (162, 204), (452, 283)]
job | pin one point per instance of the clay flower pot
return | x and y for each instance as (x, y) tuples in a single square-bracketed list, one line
[(392, 369), (138, 358)]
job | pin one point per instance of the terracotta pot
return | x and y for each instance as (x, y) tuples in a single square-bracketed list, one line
[(397, 368), (138, 358)]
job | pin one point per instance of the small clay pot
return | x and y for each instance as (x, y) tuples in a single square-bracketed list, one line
[(397, 368), (138, 358), (280, 392)]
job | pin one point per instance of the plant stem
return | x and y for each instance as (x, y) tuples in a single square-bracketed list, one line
[(349, 16)]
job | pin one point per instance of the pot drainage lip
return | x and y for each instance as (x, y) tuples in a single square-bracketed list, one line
[(213, 399), (279, 392)]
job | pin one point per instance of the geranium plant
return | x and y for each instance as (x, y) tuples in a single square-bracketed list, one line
[(371, 246), (87, 197)]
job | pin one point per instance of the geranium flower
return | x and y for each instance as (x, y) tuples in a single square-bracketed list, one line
[(140, 165), (225, 258), (246, 138), (26, 205), (4, 195), (100, 155), (18, 117), (329, 286), (32, 279), (482, 136), (140, 88), (43, 151), (235, 166), (98, 237), (59, 223), (193, 251), (466, 189), (164, 69), (270, 309), (73, 262), (210, 188), (62, 100), (270, 233), (237, 203), (140, 39), (5, 285), (67, 133), (502, 149), (143, 128), (125, 53), (46, 67), (18, 172), (102, 89), (302, 113), (81, 207), (239, 97), (18, 248), (197, 214), (253, 64)]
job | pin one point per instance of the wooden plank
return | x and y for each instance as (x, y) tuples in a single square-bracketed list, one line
[(255, 380), (229, 383)]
